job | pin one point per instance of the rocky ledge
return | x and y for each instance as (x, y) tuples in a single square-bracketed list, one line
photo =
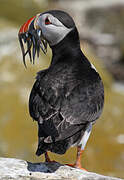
[(11, 168)]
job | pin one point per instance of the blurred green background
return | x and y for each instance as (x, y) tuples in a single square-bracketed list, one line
[(104, 152)]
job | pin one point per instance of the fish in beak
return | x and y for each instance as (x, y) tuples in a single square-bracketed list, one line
[(31, 35)]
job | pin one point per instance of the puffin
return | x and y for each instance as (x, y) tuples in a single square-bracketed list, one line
[(68, 97)]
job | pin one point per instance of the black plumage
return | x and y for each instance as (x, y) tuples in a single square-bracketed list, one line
[(67, 96)]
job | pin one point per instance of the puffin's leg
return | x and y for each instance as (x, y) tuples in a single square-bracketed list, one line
[(81, 147), (79, 157), (47, 159), (77, 164)]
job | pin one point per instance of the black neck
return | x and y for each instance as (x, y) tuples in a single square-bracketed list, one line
[(67, 47)]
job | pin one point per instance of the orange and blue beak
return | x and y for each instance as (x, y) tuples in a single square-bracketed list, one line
[(32, 36)]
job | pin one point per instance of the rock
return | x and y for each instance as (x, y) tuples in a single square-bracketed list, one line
[(100, 23), (11, 168)]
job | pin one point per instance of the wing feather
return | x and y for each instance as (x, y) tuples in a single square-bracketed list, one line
[(65, 107)]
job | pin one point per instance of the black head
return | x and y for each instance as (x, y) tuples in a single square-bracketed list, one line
[(49, 27), (63, 17)]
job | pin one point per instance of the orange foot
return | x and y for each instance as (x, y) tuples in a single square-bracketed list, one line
[(78, 160)]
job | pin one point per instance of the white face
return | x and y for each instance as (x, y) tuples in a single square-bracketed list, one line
[(52, 29)]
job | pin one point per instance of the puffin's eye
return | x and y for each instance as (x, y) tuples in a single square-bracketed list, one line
[(47, 21)]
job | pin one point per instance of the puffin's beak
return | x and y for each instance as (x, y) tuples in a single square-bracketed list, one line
[(31, 34)]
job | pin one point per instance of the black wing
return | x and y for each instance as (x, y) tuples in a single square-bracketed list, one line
[(63, 111)]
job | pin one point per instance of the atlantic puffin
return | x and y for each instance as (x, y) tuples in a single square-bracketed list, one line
[(68, 97)]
